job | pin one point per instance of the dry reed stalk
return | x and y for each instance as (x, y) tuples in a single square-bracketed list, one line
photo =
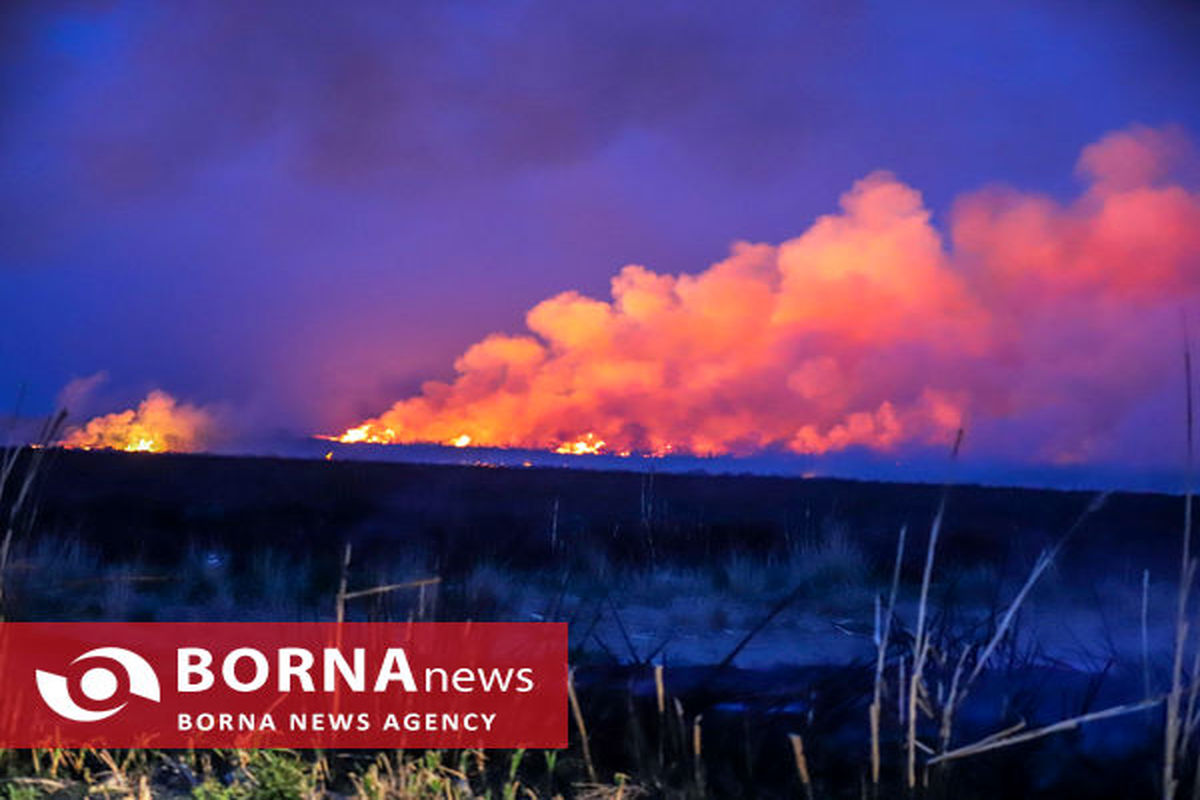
[(881, 643), (420, 583), (952, 700), (681, 725), (920, 641), (873, 719), (341, 594), (1002, 734), (340, 613), (1044, 559), (996, 741), (801, 763), (914, 688), (554, 528), (4, 548), (921, 645), (660, 695), (579, 724), (47, 785), (1173, 742)]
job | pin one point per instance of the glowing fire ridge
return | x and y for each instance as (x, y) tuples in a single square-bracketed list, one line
[(159, 424), (588, 444), (872, 329)]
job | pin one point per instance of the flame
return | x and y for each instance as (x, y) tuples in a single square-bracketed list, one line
[(588, 444), (159, 424), (1041, 321), (366, 434)]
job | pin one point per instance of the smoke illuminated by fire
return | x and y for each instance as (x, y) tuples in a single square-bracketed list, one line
[(159, 424), (871, 328)]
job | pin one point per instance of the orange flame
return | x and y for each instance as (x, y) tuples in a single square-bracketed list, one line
[(366, 433), (159, 424), (588, 444)]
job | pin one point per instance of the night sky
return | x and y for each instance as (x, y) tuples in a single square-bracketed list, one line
[(298, 212)]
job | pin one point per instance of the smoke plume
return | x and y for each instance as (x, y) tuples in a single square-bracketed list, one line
[(871, 328), (158, 424)]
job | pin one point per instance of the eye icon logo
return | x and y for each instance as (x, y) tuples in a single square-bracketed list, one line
[(99, 684)]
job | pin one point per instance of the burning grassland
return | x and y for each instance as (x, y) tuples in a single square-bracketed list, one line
[(159, 424)]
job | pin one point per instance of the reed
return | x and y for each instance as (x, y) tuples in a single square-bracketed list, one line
[(577, 713), (1174, 743), (797, 742), (882, 636), (698, 755), (921, 646), (1013, 735)]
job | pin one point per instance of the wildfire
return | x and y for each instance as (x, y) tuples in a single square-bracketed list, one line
[(365, 434), (587, 445), (872, 328), (159, 424), (373, 434)]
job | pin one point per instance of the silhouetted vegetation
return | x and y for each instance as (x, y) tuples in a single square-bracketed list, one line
[(732, 636)]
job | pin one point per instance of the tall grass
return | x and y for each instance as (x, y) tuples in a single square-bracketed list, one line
[(20, 467), (1177, 726), (883, 634)]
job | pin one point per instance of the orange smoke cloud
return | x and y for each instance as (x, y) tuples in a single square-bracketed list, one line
[(159, 424), (871, 328)]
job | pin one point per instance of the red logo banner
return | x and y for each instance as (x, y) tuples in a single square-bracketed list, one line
[(388, 685)]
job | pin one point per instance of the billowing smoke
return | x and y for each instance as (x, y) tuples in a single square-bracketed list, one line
[(1052, 327), (158, 424)]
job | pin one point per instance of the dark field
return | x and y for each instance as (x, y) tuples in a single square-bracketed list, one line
[(757, 598), (155, 506)]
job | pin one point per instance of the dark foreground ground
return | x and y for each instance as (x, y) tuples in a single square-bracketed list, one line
[(155, 506), (777, 578)]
